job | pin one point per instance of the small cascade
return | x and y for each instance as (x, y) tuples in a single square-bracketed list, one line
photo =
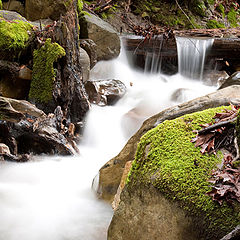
[(153, 58), (191, 56)]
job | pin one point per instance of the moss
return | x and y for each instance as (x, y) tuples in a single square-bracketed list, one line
[(79, 6), (168, 160), (211, 24), (1, 6), (43, 71), (14, 34), (232, 18), (220, 8)]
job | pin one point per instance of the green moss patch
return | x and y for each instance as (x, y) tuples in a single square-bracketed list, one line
[(232, 18), (14, 34), (167, 159), (43, 71)]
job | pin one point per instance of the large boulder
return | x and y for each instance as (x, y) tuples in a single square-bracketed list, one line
[(165, 195), (38, 9), (111, 172), (105, 37), (105, 92)]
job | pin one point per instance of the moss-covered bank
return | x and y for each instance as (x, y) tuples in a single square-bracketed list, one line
[(168, 160), (43, 71)]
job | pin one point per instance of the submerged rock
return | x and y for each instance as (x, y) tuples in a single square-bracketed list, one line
[(105, 92), (165, 196), (111, 172)]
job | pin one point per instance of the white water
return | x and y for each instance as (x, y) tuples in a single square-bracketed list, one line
[(50, 198), (191, 56)]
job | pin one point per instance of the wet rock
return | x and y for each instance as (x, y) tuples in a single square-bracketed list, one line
[(50, 134), (234, 79), (106, 39), (105, 92), (91, 48), (179, 95), (85, 64), (214, 78), (45, 9), (4, 149), (111, 172)]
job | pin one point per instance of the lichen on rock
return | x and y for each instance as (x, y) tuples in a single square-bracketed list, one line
[(167, 160), (43, 71)]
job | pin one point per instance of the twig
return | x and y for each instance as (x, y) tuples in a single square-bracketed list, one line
[(184, 13), (216, 125)]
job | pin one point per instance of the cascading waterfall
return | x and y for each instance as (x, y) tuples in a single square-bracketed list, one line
[(191, 56), (50, 198), (153, 58)]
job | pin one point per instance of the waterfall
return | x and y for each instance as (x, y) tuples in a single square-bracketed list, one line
[(51, 198), (191, 56), (153, 58)]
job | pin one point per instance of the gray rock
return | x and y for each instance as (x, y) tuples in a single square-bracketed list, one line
[(85, 64), (10, 16), (106, 39)]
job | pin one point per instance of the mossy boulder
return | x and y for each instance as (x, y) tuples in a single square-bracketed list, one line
[(169, 167), (15, 33), (43, 71)]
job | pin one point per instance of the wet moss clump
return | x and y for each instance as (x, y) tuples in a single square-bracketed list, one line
[(167, 159), (43, 71), (14, 34)]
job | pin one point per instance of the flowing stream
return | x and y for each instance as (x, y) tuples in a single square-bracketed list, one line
[(50, 198)]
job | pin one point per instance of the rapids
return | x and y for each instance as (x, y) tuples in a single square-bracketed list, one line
[(50, 198)]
